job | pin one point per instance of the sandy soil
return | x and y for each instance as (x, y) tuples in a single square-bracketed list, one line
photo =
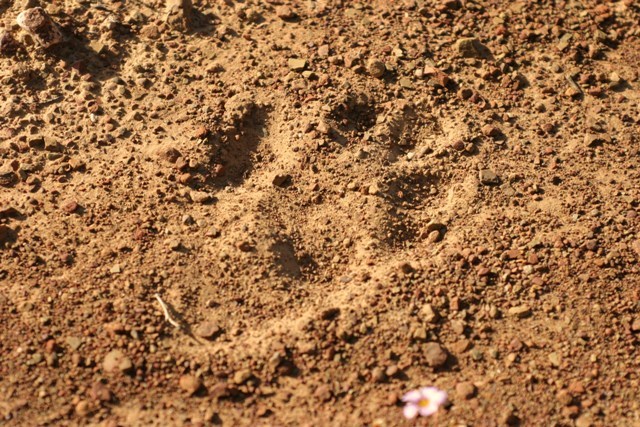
[(337, 202)]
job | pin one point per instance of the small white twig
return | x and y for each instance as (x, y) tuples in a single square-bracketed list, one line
[(166, 312)]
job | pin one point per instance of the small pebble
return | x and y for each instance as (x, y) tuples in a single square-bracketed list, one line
[(435, 355), (297, 64), (488, 177), (285, 12), (520, 311), (465, 390), (40, 26), (207, 330), (376, 68), (190, 384), (70, 207), (116, 360)]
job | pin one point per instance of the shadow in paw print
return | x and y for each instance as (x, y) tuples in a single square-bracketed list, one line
[(406, 192), (353, 112), (240, 152), (7, 236), (286, 259), (410, 189)]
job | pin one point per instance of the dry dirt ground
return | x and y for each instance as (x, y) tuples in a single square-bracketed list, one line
[(337, 201)]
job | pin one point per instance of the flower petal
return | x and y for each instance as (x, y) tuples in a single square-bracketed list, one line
[(430, 409), (434, 395), (410, 411), (440, 398), (413, 396), (427, 391)]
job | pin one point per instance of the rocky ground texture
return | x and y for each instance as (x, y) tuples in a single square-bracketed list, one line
[(292, 212)]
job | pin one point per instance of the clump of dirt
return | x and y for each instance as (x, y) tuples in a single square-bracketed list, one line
[(291, 213)]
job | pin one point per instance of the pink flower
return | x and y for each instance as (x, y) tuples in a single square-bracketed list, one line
[(424, 402)]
